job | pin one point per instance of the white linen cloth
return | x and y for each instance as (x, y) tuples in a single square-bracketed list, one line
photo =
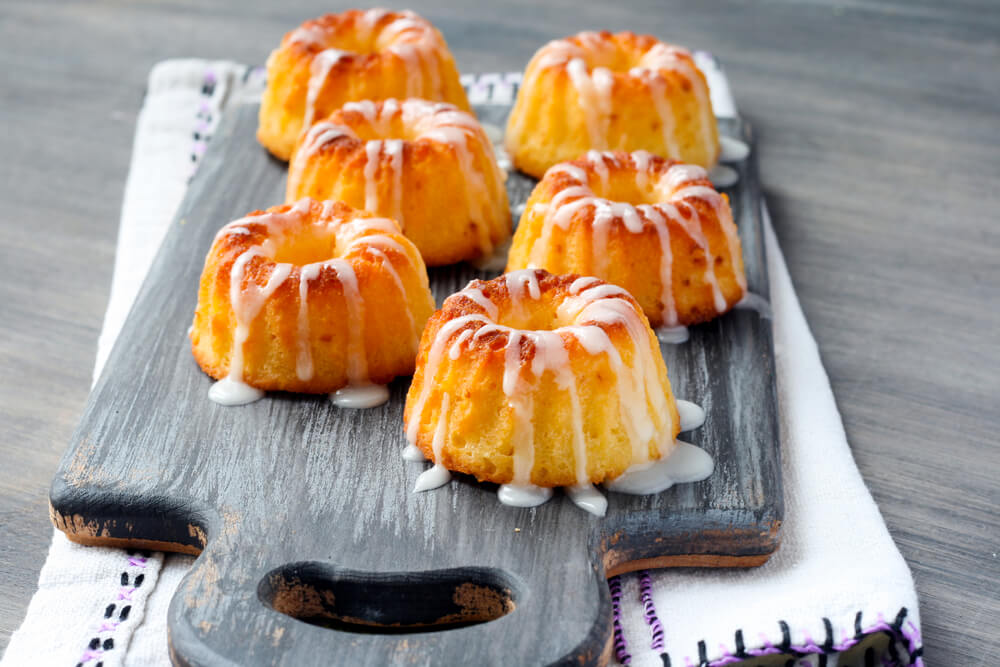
[(837, 583)]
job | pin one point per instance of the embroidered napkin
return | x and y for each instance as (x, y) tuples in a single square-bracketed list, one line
[(837, 592)]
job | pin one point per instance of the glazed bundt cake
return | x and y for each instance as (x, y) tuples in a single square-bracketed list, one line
[(427, 165), (604, 91), (310, 297), (356, 55), (655, 227), (536, 380)]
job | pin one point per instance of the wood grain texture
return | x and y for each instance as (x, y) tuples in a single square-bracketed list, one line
[(878, 146), (309, 508)]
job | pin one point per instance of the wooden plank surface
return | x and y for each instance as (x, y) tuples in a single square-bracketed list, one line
[(267, 487), (879, 147)]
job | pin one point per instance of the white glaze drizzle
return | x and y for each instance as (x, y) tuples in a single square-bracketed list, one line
[(314, 139), (673, 335), (303, 353), (657, 84), (319, 72), (675, 59), (595, 87), (412, 453), (372, 151), (394, 150), (732, 150), (476, 295), (723, 213), (360, 396), (588, 498), (438, 475), (755, 302), (376, 245), (407, 36), (687, 463), (578, 195), (591, 303), (723, 176), (692, 415), (526, 495), (248, 302), (309, 35), (229, 392), (594, 93), (425, 121)]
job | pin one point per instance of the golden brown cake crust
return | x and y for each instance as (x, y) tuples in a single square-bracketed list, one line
[(301, 275), (429, 166), (355, 55), (611, 91), (655, 227), (569, 358)]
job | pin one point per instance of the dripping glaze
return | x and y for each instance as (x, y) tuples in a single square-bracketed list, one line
[(679, 187), (434, 122), (409, 38), (658, 69), (247, 302), (588, 300)]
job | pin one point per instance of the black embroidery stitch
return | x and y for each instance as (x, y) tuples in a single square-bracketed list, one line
[(741, 649), (786, 637), (702, 654), (900, 617), (139, 580), (109, 644), (125, 610), (666, 659), (110, 610), (94, 643), (124, 578), (828, 644)]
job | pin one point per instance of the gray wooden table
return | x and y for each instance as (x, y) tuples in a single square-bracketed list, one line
[(879, 128)]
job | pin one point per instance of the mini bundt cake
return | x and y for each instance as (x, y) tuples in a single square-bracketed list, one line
[(310, 297), (356, 55), (609, 91), (427, 165), (655, 227), (538, 380)]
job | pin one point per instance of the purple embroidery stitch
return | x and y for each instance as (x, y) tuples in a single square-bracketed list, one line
[(649, 610), (621, 649)]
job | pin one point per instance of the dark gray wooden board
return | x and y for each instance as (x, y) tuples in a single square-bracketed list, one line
[(298, 505)]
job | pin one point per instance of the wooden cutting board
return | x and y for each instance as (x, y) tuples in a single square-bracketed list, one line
[(313, 548)]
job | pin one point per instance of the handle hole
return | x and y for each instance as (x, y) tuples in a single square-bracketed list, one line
[(387, 603)]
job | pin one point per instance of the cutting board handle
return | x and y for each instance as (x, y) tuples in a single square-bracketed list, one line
[(231, 610)]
